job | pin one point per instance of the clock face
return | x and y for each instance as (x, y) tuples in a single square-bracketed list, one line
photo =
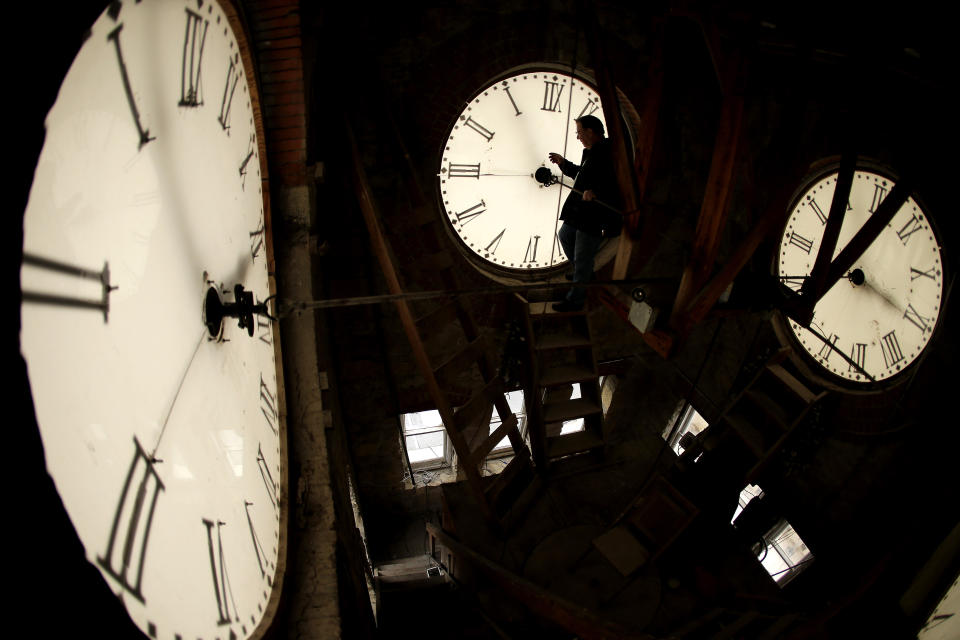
[(164, 441), (883, 313), (487, 187)]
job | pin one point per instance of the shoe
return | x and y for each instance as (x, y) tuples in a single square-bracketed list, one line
[(567, 306)]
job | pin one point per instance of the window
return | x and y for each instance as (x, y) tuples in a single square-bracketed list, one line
[(687, 420), (784, 554), (425, 439)]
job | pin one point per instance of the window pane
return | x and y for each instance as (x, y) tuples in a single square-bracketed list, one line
[(421, 420), (425, 447)]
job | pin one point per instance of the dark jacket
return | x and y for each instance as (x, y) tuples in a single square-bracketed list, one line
[(595, 172)]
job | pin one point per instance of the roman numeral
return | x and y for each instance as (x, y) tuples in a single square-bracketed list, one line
[(256, 241), (879, 193), (798, 240), (125, 555), (891, 349), (918, 320), (817, 210), (268, 405), (827, 347), (114, 36), (495, 243), (479, 128), (506, 90), (929, 273), (267, 477), (246, 160), (588, 109), (551, 96), (221, 581), (262, 558), (531, 253), (193, 41), (233, 77), (464, 170), (264, 334), (911, 227), (558, 255), (795, 283), (467, 215), (859, 356)]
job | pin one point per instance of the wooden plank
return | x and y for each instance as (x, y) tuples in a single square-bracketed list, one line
[(478, 404), (713, 209), (454, 366), (565, 410), (562, 341), (381, 250), (571, 443), (643, 160), (565, 374), (585, 623), (481, 452), (792, 383)]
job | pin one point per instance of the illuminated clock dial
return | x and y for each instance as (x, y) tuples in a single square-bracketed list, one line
[(502, 215), (164, 442), (883, 312)]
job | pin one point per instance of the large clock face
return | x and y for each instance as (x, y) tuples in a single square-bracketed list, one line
[(164, 441), (883, 313), (488, 191)]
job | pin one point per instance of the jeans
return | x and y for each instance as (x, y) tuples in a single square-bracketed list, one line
[(580, 248)]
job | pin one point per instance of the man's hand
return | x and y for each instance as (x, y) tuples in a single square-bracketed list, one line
[(588, 195), (556, 158)]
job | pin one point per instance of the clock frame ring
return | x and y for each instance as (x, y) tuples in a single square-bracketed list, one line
[(786, 331), (514, 271)]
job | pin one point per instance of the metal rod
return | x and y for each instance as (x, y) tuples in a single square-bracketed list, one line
[(440, 293)]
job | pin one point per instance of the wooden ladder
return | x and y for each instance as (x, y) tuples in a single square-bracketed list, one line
[(768, 411), (559, 356), (466, 422)]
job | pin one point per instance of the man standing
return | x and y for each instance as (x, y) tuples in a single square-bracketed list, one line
[(585, 221)]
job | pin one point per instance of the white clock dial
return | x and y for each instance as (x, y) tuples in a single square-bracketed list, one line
[(882, 315), (489, 195), (163, 442)]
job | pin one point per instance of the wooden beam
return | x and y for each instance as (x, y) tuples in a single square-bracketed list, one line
[(626, 177), (642, 160), (713, 210), (382, 251)]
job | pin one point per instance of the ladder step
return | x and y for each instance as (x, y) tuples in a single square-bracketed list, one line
[(563, 410), (751, 436), (571, 443), (447, 372), (481, 452), (478, 405), (769, 408), (546, 309), (562, 341), (565, 374), (437, 319), (794, 385)]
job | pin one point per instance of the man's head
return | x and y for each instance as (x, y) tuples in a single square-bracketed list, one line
[(589, 130)]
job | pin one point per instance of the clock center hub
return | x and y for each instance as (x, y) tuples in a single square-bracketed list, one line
[(856, 277)]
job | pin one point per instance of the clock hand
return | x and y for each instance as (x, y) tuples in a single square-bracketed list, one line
[(853, 363), (176, 396), (858, 278)]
